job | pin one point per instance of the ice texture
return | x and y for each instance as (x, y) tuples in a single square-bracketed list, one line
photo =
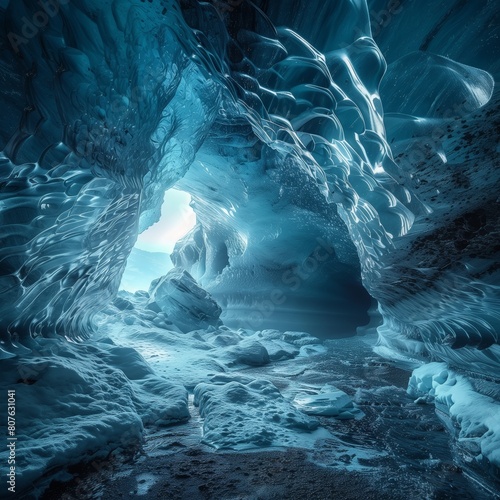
[(107, 112), (300, 182), (242, 412), (329, 401), (80, 402), (416, 186), (329, 162), (473, 414), (187, 305)]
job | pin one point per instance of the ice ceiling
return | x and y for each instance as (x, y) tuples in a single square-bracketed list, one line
[(305, 135)]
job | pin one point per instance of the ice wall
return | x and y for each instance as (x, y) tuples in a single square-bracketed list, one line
[(103, 110), (325, 144), (289, 151), (416, 187)]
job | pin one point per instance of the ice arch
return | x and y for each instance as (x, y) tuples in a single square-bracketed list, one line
[(315, 175), (278, 133)]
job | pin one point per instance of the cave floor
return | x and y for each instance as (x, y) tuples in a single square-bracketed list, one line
[(397, 450)]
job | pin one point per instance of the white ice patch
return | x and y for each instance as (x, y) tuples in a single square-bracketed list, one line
[(77, 402), (329, 402), (242, 413), (477, 416)]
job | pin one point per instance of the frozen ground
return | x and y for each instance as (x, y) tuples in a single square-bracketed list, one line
[(309, 420)]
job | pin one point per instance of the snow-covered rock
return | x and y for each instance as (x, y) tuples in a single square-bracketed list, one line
[(187, 305), (243, 412), (250, 353)]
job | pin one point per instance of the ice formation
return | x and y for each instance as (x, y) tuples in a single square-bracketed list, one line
[(77, 402), (329, 401), (475, 415), (227, 403), (330, 162), (187, 305)]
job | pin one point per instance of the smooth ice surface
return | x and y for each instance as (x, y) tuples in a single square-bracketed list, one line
[(310, 166), (329, 401)]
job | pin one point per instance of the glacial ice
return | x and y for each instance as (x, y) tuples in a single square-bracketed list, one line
[(334, 159), (329, 401), (473, 414), (187, 305)]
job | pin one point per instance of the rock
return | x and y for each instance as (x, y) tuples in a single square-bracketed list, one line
[(251, 353), (185, 303)]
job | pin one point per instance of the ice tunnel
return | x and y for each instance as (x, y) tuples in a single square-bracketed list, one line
[(324, 292)]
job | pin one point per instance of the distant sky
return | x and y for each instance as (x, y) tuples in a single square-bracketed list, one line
[(177, 219)]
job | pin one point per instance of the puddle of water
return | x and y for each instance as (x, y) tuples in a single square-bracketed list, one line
[(144, 483)]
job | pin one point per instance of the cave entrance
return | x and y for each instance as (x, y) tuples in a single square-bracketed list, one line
[(150, 257)]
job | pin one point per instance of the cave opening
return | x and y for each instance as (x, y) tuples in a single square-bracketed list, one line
[(150, 257)]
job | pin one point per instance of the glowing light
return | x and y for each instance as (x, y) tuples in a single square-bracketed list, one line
[(177, 219)]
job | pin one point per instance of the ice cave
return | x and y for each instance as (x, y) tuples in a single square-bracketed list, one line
[(250, 249)]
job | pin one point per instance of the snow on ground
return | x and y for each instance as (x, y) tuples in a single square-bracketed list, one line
[(253, 391), (399, 448), (239, 411), (243, 412), (76, 402), (476, 415)]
